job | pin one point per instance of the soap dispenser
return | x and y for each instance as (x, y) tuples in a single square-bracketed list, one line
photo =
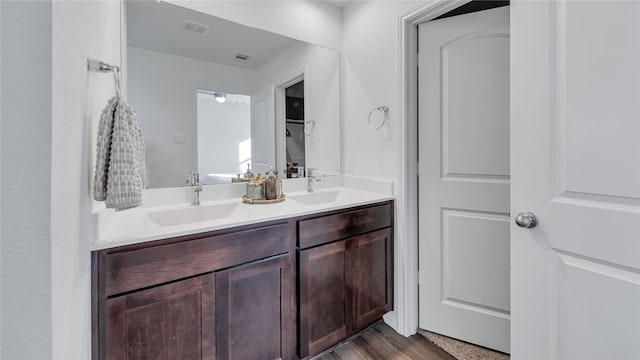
[(248, 175)]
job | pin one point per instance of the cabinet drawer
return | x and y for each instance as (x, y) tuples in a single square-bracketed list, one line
[(135, 269), (329, 228)]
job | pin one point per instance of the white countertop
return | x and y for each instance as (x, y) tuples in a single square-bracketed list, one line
[(133, 226)]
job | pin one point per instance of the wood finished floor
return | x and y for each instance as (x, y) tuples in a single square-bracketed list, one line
[(382, 343)]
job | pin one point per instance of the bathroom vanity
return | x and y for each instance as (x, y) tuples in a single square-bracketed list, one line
[(345, 274), (287, 288), (225, 279)]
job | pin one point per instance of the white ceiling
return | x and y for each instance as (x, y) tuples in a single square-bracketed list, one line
[(338, 3), (160, 26)]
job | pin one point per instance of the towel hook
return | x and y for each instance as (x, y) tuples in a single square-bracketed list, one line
[(385, 110)]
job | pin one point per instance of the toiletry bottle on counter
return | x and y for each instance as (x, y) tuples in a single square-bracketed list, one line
[(255, 188), (271, 186), (279, 188), (248, 175), (238, 179)]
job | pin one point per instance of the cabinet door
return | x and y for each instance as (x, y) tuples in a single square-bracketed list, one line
[(254, 311), (173, 321), (323, 297), (371, 261)]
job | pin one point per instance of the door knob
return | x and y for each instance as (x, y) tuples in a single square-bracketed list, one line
[(526, 220)]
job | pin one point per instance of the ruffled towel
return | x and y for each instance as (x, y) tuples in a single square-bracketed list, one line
[(120, 160)]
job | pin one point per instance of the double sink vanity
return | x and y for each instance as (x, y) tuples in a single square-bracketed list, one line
[(228, 280)]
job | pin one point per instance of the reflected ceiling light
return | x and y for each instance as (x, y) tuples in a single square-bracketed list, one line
[(220, 97)]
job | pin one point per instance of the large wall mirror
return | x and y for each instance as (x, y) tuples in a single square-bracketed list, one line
[(214, 96)]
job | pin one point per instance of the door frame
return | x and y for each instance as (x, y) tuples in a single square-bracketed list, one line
[(404, 318)]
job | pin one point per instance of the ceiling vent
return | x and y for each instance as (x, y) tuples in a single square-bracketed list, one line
[(241, 57), (196, 28)]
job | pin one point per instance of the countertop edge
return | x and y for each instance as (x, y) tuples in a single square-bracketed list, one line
[(176, 231)]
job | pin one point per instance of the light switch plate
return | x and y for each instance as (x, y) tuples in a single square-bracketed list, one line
[(351, 163)]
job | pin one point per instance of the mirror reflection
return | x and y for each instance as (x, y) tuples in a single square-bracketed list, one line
[(215, 96), (223, 127), (294, 129)]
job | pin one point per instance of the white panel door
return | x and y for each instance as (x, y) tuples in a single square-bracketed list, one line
[(575, 163), (263, 151), (464, 177)]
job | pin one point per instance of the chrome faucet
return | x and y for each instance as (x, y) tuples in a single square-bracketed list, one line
[(194, 182), (311, 178)]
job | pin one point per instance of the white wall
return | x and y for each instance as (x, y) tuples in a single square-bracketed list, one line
[(162, 89), (49, 105), (370, 79), (221, 128), (296, 19), (25, 139), (80, 30)]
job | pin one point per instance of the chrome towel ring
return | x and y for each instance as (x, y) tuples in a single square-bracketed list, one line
[(309, 125), (101, 66), (384, 110)]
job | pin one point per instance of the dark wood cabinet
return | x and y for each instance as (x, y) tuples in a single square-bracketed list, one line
[(372, 272), (343, 224), (259, 291), (254, 310), (323, 297), (173, 321), (344, 284), (227, 294)]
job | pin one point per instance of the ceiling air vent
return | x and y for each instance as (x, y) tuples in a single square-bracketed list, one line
[(241, 57), (196, 28)]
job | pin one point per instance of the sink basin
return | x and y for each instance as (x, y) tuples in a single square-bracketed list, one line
[(316, 198), (192, 214)]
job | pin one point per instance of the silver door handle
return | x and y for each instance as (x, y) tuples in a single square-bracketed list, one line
[(526, 220)]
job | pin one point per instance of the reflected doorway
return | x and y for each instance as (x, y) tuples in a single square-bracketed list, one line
[(294, 130)]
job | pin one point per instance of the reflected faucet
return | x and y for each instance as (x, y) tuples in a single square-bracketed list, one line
[(310, 178), (194, 182)]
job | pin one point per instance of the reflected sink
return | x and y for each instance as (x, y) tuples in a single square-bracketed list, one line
[(316, 198), (192, 214)]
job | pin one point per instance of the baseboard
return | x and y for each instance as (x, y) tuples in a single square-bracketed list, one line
[(391, 319)]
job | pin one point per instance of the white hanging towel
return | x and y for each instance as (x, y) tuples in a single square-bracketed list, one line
[(120, 160)]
